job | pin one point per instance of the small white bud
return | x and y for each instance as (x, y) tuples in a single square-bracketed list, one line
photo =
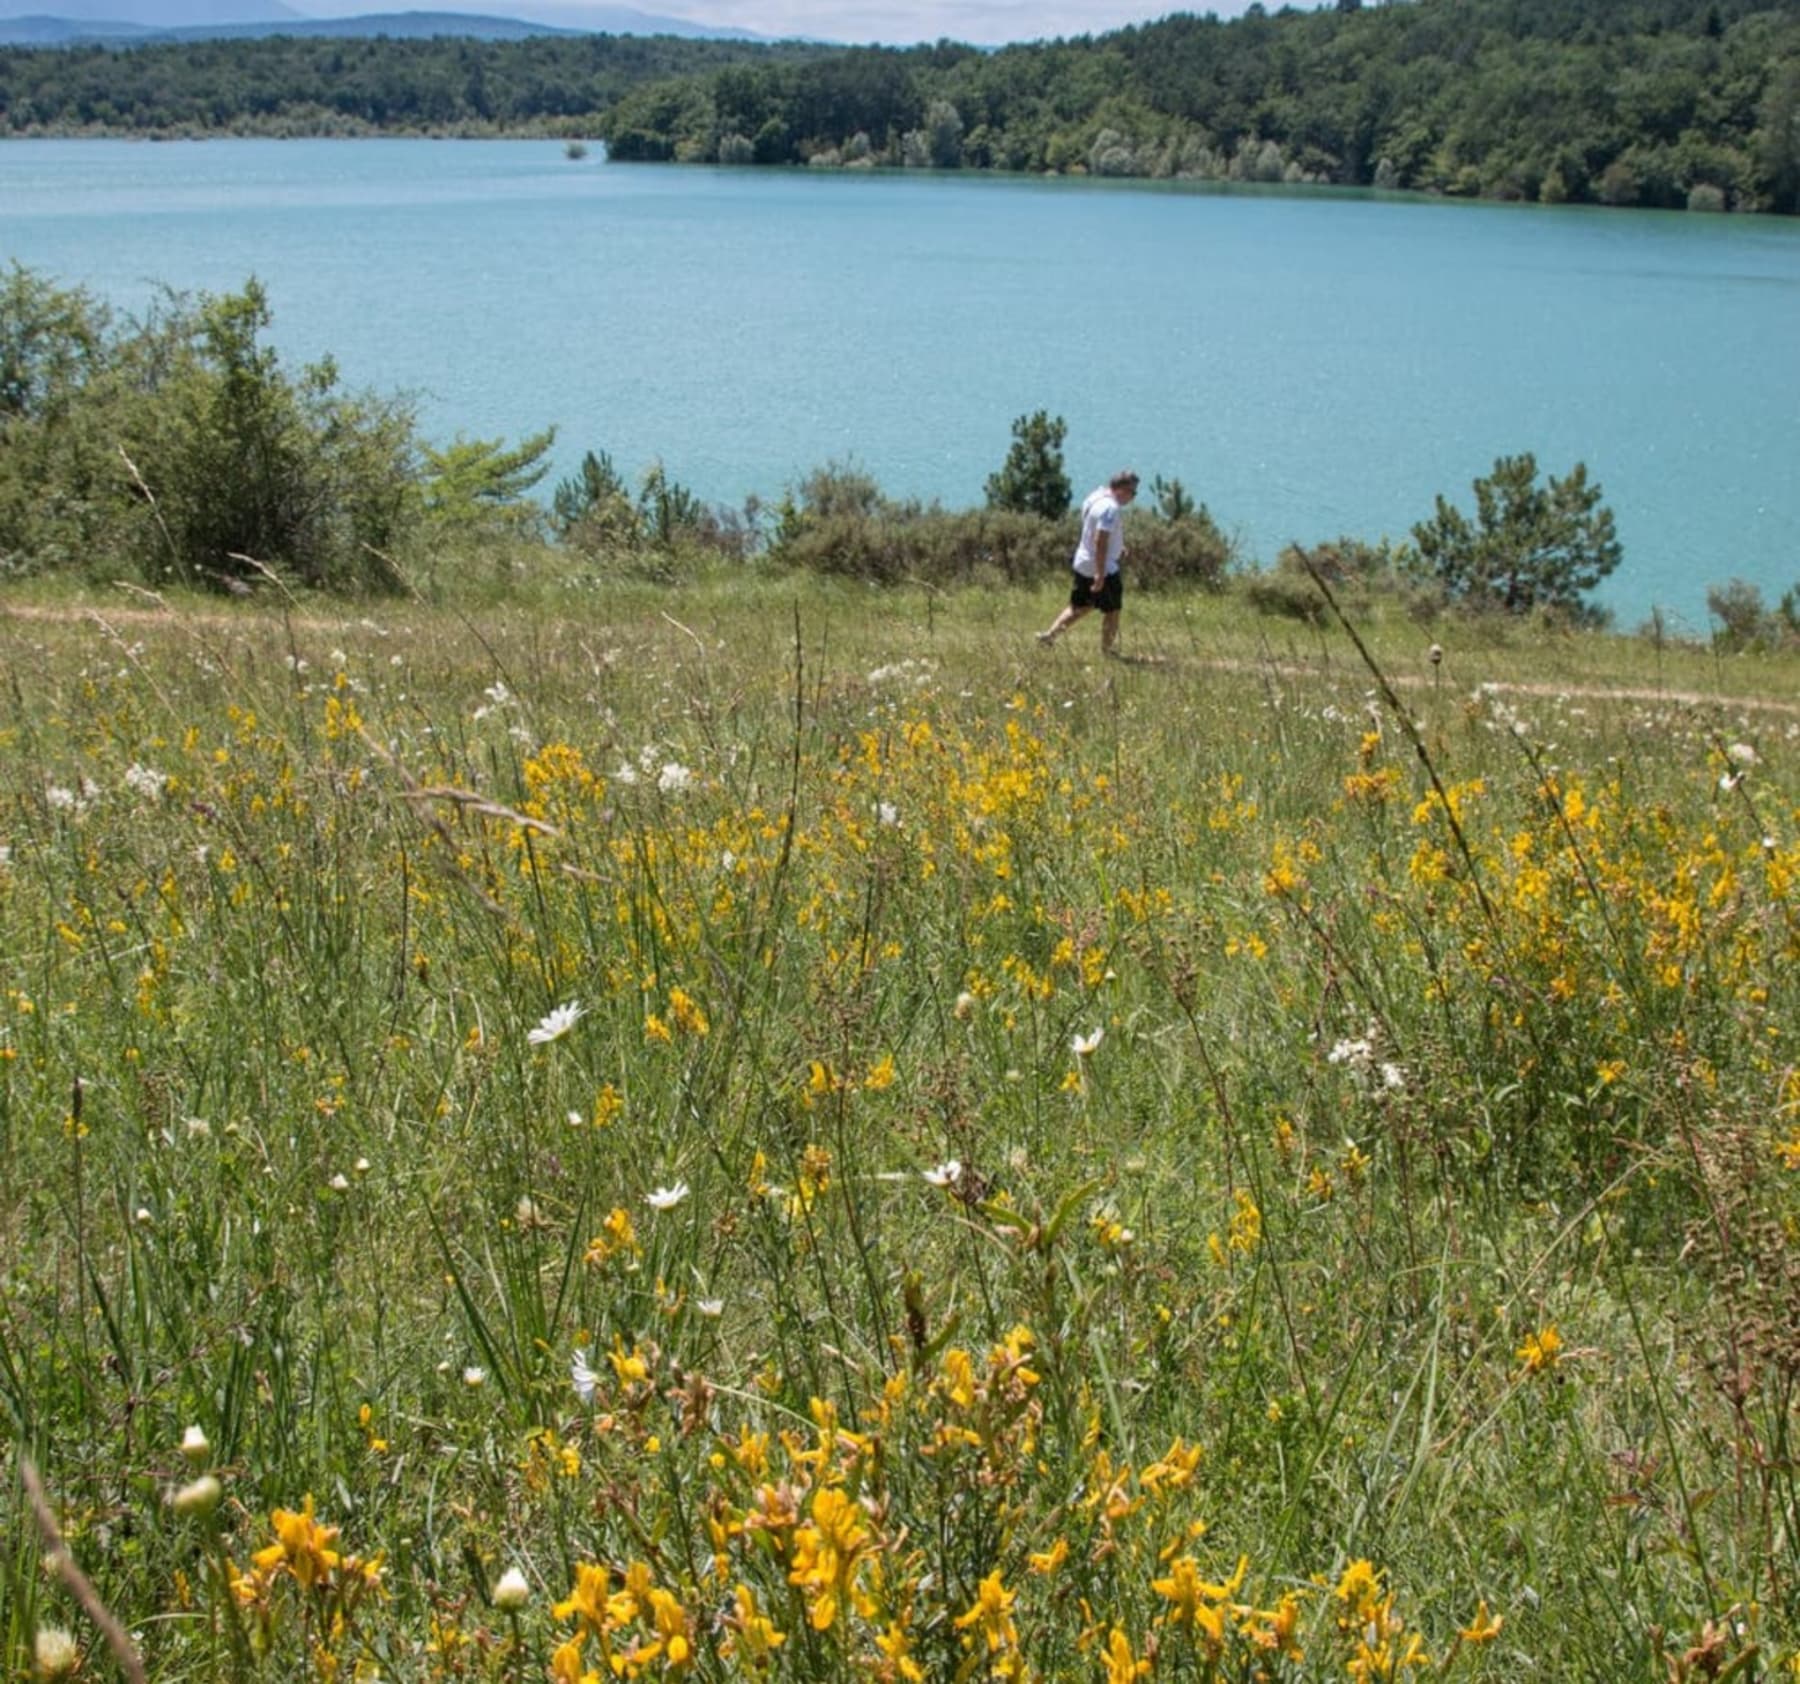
[(512, 1592), (199, 1499), (55, 1652), (194, 1447)]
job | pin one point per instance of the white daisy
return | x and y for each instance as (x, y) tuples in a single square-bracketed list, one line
[(1083, 1045), (711, 1308), (674, 779), (946, 1174), (473, 1376), (584, 1378), (667, 1198), (556, 1025)]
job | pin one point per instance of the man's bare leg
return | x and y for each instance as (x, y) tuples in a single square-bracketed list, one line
[(1063, 621), (1109, 632)]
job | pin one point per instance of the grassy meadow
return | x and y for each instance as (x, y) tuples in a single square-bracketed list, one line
[(772, 1130)]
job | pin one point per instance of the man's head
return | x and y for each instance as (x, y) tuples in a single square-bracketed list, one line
[(1123, 485)]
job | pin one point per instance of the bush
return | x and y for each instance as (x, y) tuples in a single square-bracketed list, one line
[(900, 544), (1349, 566), (1745, 623), (181, 446), (595, 514)]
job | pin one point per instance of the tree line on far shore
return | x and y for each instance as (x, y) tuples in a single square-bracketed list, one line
[(179, 448), (1659, 103)]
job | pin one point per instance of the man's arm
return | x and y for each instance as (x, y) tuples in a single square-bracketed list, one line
[(1102, 544)]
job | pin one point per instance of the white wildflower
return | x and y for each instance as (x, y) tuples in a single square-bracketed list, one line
[(1357, 1054), (1084, 1045), (887, 812), (583, 1377), (556, 1025), (1741, 754), (711, 1308), (964, 1009), (473, 1376), (667, 1198), (145, 781), (674, 778), (946, 1174), (512, 1592), (194, 1446)]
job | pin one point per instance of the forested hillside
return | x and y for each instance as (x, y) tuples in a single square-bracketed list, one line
[(1624, 102), (310, 85)]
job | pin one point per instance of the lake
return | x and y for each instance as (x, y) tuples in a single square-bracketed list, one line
[(1310, 364)]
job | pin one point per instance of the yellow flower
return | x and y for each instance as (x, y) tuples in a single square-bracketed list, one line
[(827, 1554), (1044, 1562), (1121, 1668), (628, 1365), (1359, 1587), (1484, 1628), (755, 1639), (896, 1645), (671, 1630), (587, 1601), (991, 1615), (303, 1546), (686, 1012), (881, 1074), (1542, 1350)]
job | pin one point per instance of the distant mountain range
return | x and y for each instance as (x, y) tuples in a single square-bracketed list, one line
[(142, 22)]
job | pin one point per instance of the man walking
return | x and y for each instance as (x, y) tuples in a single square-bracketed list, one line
[(1099, 583)]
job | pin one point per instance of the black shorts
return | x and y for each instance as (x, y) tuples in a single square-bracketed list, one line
[(1107, 599)]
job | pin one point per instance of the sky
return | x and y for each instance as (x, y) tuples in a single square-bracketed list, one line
[(898, 22), (982, 22)]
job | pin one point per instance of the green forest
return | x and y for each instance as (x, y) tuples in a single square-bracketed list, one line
[(1657, 103)]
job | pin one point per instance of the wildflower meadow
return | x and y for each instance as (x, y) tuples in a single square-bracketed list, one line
[(773, 1131)]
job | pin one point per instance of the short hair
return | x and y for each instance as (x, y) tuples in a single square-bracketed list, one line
[(1124, 477)]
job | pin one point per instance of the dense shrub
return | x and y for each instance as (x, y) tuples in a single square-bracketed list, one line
[(1348, 565), (179, 446), (1745, 622), (836, 520)]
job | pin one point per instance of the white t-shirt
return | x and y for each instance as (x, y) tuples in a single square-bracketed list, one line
[(1100, 513)]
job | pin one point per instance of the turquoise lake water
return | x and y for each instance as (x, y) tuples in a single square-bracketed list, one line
[(1308, 364)]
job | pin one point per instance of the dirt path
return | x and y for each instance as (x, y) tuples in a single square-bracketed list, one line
[(128, 617)]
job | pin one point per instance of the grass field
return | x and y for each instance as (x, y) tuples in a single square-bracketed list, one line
[(767, 1130)]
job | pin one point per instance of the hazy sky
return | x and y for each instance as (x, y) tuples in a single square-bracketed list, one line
[(983, 22)]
